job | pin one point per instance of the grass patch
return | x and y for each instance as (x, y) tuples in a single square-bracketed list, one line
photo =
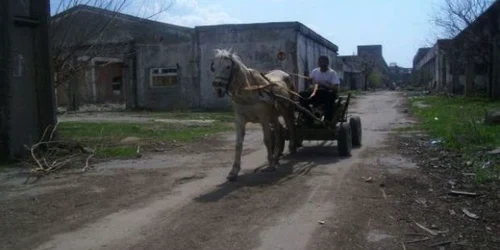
[(459, 122), (106, 137)]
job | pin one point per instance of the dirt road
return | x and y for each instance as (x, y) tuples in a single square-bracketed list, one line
[(181, 200)]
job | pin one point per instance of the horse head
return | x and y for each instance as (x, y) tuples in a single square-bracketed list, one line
[(224, 67)]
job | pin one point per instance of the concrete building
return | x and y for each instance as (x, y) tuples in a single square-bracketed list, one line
[(353, 73), (399, 75), (474, 56), (468, 63), (27, 106), (431, 65), (373, 63), (165, 67)]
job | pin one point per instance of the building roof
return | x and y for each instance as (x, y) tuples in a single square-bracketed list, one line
[(298, 26), (114, 14), (84, 25), (140, 28), (421, 52)]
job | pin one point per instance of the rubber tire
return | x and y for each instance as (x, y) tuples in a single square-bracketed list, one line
[(344, 140), (356, 129)]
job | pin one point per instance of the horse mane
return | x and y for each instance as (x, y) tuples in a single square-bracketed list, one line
[(227, 53)]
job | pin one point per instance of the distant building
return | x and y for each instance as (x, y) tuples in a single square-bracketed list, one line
[(159, 66), (399, 75), (430, 65), (353, 73)]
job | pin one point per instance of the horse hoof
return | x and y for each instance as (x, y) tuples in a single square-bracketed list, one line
[(232, 178)]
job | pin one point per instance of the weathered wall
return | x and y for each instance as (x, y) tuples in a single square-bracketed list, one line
[(181, 96), (87, 83), (308, 52), (256, 44), (27, 107)]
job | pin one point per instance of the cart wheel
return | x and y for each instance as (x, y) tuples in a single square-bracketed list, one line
[(344, 140), (355, 123)]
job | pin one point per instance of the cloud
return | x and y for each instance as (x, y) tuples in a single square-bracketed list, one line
[(190, 13)]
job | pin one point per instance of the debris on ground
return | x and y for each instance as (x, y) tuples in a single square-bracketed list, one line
[(419, 240), (469, 214), (421, 201), (369, 179), (430, 231), (454, 192), (50, 155)]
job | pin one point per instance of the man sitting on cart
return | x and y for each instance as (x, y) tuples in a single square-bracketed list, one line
[(328, 83)]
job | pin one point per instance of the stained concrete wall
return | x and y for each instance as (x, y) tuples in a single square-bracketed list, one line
[(256, 44), (27, 105), (184, 95)]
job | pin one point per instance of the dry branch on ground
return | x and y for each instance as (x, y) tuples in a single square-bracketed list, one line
[(49, 155)]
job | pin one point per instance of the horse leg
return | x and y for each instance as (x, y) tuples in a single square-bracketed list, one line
[(268, 141), (240, 137), (279, 139), (290, 124)]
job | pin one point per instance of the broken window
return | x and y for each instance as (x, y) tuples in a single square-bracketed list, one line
[(163, 77)]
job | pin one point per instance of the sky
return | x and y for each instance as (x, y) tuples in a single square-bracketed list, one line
[(400, 26)]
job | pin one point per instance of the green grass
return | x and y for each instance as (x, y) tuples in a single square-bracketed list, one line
[(105, 137), (460, 123), (218, 116)]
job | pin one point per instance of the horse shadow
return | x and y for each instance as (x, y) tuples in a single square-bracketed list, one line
[(292, 166)]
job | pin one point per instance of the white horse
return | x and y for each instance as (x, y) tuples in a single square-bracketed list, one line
[(253, 96)]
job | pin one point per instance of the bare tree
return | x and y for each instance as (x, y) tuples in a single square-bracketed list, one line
[(455, 15), (86, 37), (470, 46), (368, 66)]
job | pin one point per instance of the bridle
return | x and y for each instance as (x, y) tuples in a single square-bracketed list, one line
[(228, 79)]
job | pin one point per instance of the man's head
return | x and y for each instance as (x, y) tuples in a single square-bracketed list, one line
[(323, 63)]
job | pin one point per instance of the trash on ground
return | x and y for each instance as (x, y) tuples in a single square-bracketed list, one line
[(487, 164), (494, 152)]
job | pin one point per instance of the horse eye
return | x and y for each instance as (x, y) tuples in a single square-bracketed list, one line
[(228, 67)]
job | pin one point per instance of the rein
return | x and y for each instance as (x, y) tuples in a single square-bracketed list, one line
[(229, 80), (260, 87)]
